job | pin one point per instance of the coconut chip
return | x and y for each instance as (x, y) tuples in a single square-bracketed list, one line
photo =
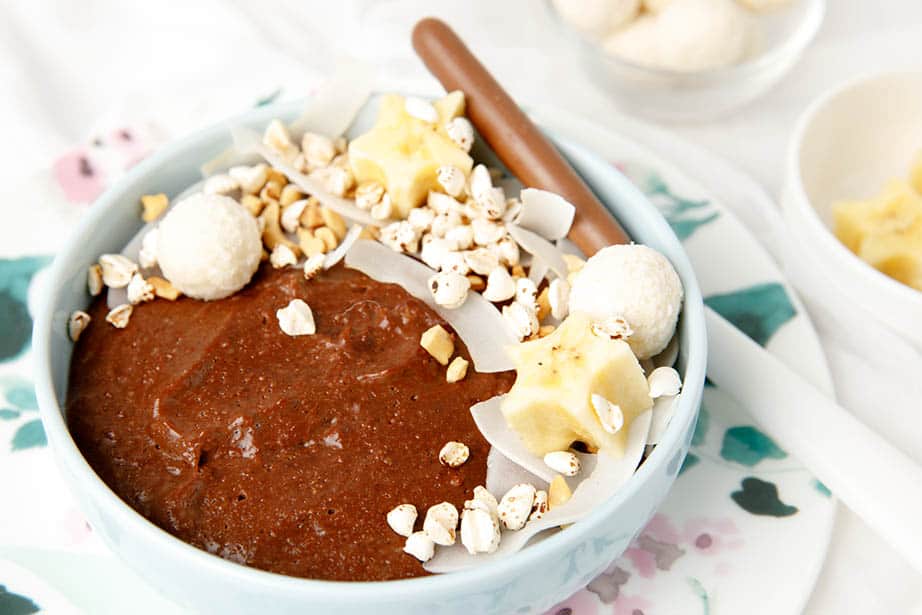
[(608, 475), (663, 411), (337, 102), (248, 140), (545, 213), (477, 322), (539, 247)]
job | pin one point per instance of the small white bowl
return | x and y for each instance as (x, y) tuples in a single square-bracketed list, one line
[(846, 146), (782, 36)]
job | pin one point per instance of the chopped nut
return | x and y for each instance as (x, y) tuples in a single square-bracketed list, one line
[(327, 236), (544, 304), (563, 462), (451, 179), (139, 290), (220, 184), (558, 492), (421, 109), (518, 271), (369, 194), (540, 505), (275, 176), (271, 191), (277, 137), (251, 179), (272, 232), (454, 454), (313, 265), (310, 244), (615, 327), (545, 330), (282, 256), (522, 321), (440, 523), (163, 289), (515, 507), (461, 132), (401, 519), (318, 150), (334, 221), (290, 194), (94, 279), (457, 370), (419, 546), (609, 414), (477, 282), (370, 232), (77, 322), (296, 319), (480, 531), (383, 209), (311, 217), (153, 206), (438, 343), (558, 297), (481, 261), (119, 315), (500, 286), (449, 289), (116, 270), (253, 204)]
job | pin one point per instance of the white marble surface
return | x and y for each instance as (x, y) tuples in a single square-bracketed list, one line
[(67, 67)]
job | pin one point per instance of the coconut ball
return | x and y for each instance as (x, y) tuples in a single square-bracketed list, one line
[(636, 283), (208, 246), (597, 17), (686, 36)]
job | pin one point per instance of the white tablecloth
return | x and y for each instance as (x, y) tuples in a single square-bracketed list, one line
[(70, 70)]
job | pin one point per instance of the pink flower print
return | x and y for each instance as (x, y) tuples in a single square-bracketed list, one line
[(662, 529), (84, 172), (580, 603), (656, 548), (711, 536), (632, 605)]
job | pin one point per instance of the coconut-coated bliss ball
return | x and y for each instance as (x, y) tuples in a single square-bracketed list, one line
[(635, 283), (208, 246)]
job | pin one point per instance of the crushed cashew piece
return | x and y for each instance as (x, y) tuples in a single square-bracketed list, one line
[(77, 322), (296, 319), (327, 236), (441, 523), (251, 179), (518, 271), (478, 284), (272, 231), (563, 462), (454, 454), (119, 315), (309, 244), (253, 204), (116, 270), (558, 492), (153, 206), (419, 546), (163, 288), (438, 343), (290, 194), (94, 279), (457, 370), (401, 519), (544, 304), (291, 214), (311, 217), (515, 507), (334, 222)]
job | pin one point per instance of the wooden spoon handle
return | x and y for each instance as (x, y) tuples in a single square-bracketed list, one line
[(512, 135)]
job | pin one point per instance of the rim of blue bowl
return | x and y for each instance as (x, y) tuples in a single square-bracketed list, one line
[(357, 591)]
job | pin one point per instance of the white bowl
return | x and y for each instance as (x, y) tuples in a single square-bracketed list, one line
[(845, 147), (781, 38)]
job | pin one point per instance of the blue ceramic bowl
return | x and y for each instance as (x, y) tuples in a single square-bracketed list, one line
[(527, 582)]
